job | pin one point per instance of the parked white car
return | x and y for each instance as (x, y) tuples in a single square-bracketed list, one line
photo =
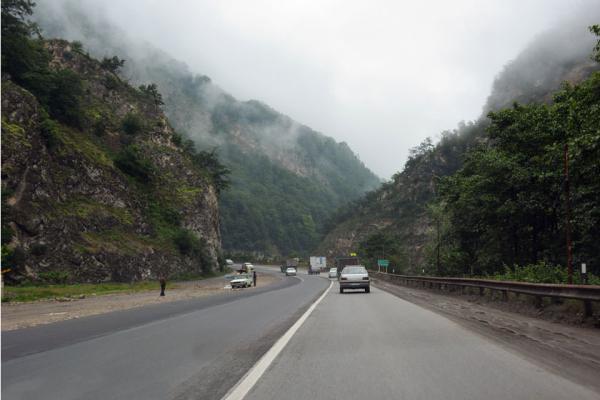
[(241, 281), (333, 273)]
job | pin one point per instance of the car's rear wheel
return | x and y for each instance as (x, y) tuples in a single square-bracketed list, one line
[(368, 290), (341, 290)]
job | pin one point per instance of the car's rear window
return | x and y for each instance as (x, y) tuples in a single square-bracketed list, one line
[(354, 270)]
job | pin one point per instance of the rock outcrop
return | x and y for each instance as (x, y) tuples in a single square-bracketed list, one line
[(115, 198)]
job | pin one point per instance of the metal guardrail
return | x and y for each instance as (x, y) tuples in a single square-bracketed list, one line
[(586, 293)]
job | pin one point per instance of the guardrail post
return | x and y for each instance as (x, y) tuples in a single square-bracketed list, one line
[(504, 295), (587, 309), (481, 291)]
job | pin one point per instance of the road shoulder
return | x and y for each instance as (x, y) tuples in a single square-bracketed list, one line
[(569, 351), (24, 315)]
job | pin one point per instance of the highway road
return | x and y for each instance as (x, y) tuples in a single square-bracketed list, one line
[(377, 346), (192, 349), (345, 346)]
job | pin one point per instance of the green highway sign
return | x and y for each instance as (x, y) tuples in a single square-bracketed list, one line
[(383, 263)]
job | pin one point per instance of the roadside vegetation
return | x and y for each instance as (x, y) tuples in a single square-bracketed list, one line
[(492, 198), (27, 292)]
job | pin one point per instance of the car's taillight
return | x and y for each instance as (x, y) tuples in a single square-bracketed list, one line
[(365, 278), (343, 278)]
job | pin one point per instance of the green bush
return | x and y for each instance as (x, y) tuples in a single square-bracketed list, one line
[(131, 161), (64, 103), (111, 82), (49, 130), (55, 277), (132, 124), (542, 273), (177, 139), (187, 243), (112, 64), (190, 245)]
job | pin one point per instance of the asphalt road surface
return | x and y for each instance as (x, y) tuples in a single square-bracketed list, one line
[(377, 346), (192, 349), (352, 346)]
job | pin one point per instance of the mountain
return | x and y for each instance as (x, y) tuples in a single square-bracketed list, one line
[(96, 185), (286, 179), (406, 219)]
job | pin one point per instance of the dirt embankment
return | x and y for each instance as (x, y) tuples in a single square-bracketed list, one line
[(22, 315)]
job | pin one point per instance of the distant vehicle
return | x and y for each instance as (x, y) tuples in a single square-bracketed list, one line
[(354, 277), (246, 268), (291, 263), (316, 265), (241, 281), (341, 262), (291, 271), (229, 262), (333, 272)]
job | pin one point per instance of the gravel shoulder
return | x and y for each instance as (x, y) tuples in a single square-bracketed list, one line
[(22, 315), (571, 351)]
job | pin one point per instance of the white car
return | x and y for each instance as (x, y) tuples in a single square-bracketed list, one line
[(229, 262), (354, 277), (333, 273), (241, 281), (291, 271)]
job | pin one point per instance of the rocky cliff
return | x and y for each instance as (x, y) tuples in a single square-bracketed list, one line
[(286, 178), (106, 194)]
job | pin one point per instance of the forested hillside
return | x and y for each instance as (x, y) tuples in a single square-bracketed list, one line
[(286, 179), (96, 185), (492, 194)]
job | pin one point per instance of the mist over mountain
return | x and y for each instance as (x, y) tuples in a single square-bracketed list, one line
[(557, 55), (286, 178), (410, 216)]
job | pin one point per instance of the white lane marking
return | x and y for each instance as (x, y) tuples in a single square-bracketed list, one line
[(241, 389)]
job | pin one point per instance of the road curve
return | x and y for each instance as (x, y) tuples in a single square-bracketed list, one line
[(188, 349), (377, 346)]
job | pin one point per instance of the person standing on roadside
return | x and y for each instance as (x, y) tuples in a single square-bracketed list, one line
[(254, 277), (163, 284)]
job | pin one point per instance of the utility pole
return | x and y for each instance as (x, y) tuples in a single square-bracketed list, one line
[(438, 246), (568, 217)]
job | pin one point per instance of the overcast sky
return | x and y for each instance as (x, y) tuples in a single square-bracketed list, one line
[(380, 75)]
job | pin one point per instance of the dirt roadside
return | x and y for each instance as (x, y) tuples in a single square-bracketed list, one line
[(22, 315), (568, 350)]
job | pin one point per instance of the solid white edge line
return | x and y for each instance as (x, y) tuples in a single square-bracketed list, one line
[(241, 389)]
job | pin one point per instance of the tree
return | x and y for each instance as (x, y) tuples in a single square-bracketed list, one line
[(152, 91), (112, 64), (219, 173), (595, 29)]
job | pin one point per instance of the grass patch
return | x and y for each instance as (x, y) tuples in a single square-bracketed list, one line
[(188, 194), (40, 292), (84, 208), (82, 144), (15, 132), (119, 242), (27, 293)]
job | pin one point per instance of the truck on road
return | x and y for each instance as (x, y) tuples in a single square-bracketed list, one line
[(343, 261), (291, 263), (316, 265)]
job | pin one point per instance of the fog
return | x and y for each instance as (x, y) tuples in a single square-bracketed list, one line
[(379, 75)]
